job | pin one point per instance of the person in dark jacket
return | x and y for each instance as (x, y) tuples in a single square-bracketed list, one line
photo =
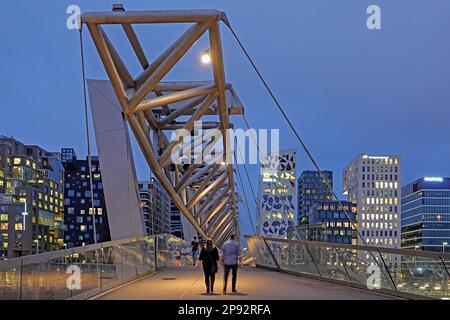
[(209, 255)]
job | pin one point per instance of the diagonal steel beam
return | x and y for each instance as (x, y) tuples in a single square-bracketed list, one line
[(132, 37), (175, 97), (108, 62), (189, 125), (121, 68), (167, 63)]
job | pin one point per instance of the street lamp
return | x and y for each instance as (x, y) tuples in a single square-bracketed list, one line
[(443, 246), (206, 56), (37, 245), (24, 216)]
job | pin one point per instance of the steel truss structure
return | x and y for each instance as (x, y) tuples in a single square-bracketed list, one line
[(205, 194)]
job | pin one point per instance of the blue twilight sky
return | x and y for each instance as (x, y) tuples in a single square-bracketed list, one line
[(347, 89)]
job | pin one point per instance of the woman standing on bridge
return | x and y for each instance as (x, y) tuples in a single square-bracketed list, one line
[(209, 257)]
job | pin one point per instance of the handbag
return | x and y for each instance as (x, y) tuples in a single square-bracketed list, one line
[(214, 267)]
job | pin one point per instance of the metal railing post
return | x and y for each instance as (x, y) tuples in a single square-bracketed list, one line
[(388, 272), (343, 263), (313, 260), (445, 267), (21, 279), (156, 252)]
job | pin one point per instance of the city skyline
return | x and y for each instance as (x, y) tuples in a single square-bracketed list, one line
[(351, 202), (420, 157)]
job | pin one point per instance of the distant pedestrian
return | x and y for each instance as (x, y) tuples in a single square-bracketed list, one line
[(194, 245), (230, 259), (209, 255)]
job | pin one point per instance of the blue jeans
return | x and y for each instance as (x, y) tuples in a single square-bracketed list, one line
[(194, 256), (233, 269)]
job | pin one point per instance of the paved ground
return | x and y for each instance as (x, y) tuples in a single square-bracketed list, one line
[(186, 283)]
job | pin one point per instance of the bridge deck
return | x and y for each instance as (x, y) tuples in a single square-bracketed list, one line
[(186, 283)]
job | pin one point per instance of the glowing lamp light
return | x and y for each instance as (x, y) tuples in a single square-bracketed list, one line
[(433, 179), (206, 57)]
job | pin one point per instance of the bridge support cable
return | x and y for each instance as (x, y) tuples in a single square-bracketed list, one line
[(307, 151), (261, 157), (86, 121), (258, 209)]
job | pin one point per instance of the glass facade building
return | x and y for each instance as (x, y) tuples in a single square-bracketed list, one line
[(77, 201), (426, 214), (372, 182), (156, 207), (337, 221), (311, 189), (31, 199)]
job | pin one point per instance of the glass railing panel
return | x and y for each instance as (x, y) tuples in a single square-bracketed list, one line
[(260, 252), (328, 262), (10, 280), (419, 275), (173, 251), (86, 266), (110, 266), (299, 260)]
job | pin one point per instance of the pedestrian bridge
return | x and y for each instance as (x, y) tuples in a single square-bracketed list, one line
[(160, 267), (187, 283)]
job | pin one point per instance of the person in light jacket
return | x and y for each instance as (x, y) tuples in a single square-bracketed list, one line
[(230, 259)]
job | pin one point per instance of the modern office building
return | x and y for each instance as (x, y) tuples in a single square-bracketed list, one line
[(311, 189), (78, 213), (176, 224), (31, 199), (425, 223), (156, 206), (372, 182), (338, 220), (276, 197)]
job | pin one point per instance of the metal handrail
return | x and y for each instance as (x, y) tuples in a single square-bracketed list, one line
[(406, 252), (46, 256), (395, 281)]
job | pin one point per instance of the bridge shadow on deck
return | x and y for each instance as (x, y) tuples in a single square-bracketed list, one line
[(187, 283)]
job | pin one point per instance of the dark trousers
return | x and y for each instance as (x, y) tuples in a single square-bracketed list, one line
[(233, 268), (209, 280)]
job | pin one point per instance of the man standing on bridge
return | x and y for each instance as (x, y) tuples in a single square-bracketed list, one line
[(194, 245), (230, 260)]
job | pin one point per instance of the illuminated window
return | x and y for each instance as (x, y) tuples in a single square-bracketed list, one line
[(3, 217), (17, 161), (4, 226), (100, 211), (18, 227)]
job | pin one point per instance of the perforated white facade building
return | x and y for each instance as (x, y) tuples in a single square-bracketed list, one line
[(276, 197)]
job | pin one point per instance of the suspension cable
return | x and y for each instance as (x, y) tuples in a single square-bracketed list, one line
[(297, 135), (257, 208), (245, 201), (86, 119), (305, 148)]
